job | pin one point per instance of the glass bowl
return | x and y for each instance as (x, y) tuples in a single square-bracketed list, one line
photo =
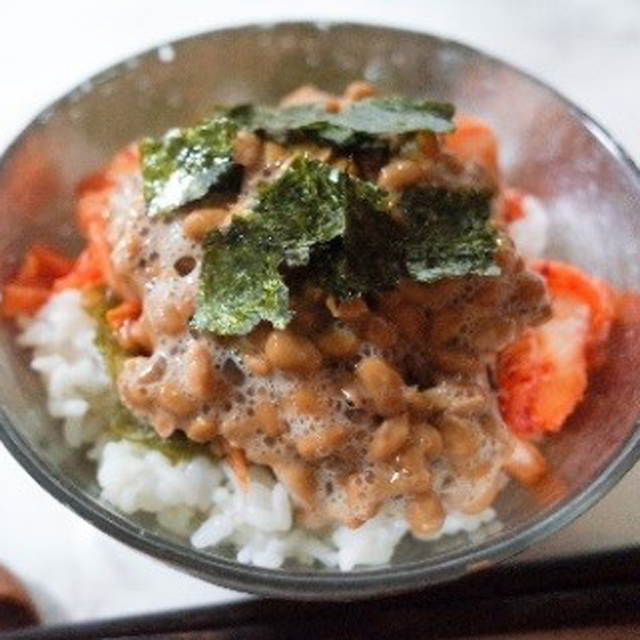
[(549, 148)]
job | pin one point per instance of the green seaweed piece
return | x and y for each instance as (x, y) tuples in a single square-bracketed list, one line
[(357, 125), (450, 233), (240, 284), (185, 164), (242, 279)]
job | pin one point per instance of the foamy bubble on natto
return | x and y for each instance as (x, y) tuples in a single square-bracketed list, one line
[(456, 490), (174, 249)]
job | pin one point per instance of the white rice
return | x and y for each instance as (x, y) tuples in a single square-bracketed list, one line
[(530, 233), (199, 498), (64, 354)]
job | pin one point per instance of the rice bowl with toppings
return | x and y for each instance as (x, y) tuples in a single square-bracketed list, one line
[(343, 402)]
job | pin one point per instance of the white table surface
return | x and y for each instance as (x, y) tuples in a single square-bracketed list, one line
[(589, 49)]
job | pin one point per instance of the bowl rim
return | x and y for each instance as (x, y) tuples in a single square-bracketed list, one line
[(325, 584)]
